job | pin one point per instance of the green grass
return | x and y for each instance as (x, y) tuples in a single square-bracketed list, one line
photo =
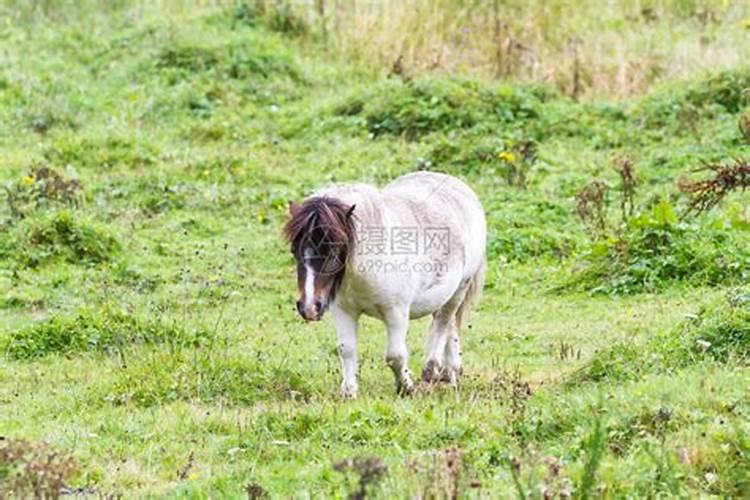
[(147, 320)]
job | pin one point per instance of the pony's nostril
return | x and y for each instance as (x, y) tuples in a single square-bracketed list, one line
[(318, 306), (299, 307)]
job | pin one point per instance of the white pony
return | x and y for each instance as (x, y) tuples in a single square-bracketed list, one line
[(414, 248)]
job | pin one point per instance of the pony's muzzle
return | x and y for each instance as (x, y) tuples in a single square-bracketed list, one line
[(311, 312)]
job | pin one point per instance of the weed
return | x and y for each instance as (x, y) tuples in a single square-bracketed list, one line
[(591, 208), (369, 471), (34, 470), (443, 474), (704, 195), (41, 186), (595, 446), (256, 492), (744, 126), (628, 183), (655, 250)]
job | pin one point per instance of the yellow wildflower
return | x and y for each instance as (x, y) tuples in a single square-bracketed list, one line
[(28, 180), (507, 156), (746, 23)]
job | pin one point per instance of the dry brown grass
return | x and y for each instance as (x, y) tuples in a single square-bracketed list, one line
[(586, 48)]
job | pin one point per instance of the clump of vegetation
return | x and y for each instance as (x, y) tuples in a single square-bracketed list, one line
[(280, 17), (109, 331), (162, 377), (33, 470), (510, 157), (591, 207), (41, 186), (415, 108), (234, 60), (369, 472), (720, 332), (728, 89), (443, 474), (744, 125), (57, 235), (655, 249), (725, 92)]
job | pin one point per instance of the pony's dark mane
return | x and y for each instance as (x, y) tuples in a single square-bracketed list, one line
[(322, 215)]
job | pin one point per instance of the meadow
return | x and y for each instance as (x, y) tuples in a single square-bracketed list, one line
[(149, 342)]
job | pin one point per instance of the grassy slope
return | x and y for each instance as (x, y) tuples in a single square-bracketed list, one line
[(189, 137)]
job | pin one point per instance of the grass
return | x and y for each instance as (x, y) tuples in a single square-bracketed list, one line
[(147, 320)]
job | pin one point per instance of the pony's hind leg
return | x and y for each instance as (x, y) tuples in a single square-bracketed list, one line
[(452, 357), (443, 361), (397, 355)]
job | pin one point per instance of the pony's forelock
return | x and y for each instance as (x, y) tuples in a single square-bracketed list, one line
[(323, 213)]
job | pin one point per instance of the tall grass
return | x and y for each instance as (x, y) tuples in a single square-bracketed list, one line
[(585, 48)]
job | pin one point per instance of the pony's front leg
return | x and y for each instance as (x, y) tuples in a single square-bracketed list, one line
[(397, 355), (346, 330)]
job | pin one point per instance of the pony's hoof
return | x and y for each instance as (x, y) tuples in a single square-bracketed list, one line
[(431, 372), (348, 391), (405, 388), (450, 375)]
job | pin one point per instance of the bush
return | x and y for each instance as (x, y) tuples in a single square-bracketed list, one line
[(656, 250), (236, 60), (54, 235), (107, 331), (724, 92), (413, 109)]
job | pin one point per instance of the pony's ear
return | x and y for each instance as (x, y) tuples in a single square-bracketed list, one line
[(350, 211), (294, 208)]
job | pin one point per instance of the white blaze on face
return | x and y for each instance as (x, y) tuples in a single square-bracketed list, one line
[(309, 278)]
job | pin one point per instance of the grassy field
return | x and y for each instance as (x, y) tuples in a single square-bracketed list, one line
[(149, 343)]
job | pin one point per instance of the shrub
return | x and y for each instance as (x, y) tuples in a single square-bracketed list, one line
[(235, 60), (281, 17), (413, 109), (728, 89), (107, 331), (655, 250), (724, 92), (60, 234)]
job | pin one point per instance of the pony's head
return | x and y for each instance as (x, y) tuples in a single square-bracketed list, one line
[(321, 233)]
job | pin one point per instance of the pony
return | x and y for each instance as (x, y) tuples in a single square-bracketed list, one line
[(414, 248)]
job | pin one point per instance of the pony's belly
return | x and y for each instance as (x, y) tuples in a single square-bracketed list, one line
[(428, 301)]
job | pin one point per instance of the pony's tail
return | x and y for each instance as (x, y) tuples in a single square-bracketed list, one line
[(474, 292)]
